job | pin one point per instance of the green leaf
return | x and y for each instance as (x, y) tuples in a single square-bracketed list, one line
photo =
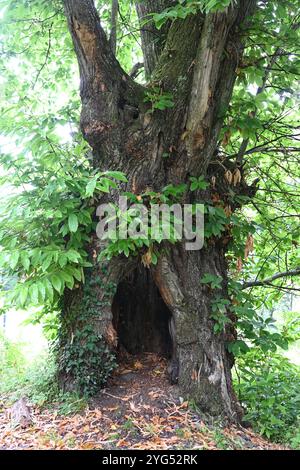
[(34, 294), (47, 261), (42, 290), (154, 258), (23, 293), (14, 258), (25, 261), (73, 256), (49, 289), (90, 188), (62, 260), (77, 273), (56, 282), (73, 223), (118, 175)]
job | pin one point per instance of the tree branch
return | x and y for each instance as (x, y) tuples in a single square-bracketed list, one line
[(46, 58), (114, 21), (279, 52), (152, 38), (217, 58), (103, 83), (269, 280), (134, 72), (260, 90), (90, 42)]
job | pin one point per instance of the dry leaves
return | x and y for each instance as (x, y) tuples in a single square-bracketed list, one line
[(249, 247), (236, 177), (228, 210), (233, 178), (239, 264), (140, 414), (228, 176), (147, 259), (226, 138)]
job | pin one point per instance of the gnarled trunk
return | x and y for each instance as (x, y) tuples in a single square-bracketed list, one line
[(203, 362), (194, 59)]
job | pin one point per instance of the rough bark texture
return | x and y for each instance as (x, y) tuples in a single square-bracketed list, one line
[(194, 59), (203, 362), (152, 38)]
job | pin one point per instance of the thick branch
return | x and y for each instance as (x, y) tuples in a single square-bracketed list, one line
[(152, 38), (103, 83), (134, 72), (114, 22), (269, 280), (90, 42), (218, 55)]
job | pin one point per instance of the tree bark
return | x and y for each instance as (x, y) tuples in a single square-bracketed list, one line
[(195, 59), (152, 38), (203, 363)]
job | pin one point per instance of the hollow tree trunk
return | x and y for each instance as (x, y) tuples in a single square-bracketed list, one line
[(194, 59), (140, 316)]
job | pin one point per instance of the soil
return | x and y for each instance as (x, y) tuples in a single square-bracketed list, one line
[(139, 409)]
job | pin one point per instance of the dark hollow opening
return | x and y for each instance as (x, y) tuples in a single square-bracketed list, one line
[(140, 316)]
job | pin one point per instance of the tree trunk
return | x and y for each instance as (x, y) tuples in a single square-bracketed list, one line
[(152, 38), (194, 59), (203, 363)]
